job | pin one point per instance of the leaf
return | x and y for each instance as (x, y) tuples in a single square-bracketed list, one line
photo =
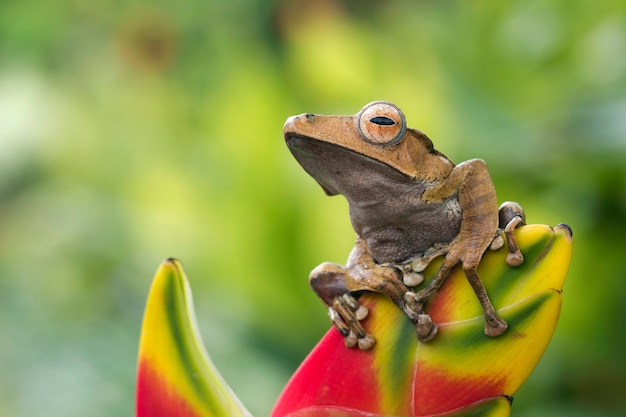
[(461, 372), (175, 377)]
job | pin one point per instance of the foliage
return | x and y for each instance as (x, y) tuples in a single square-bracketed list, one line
[(175, 376), (134, 131), (461, 373)]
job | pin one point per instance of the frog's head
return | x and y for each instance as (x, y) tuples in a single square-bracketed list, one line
[(371, 148)]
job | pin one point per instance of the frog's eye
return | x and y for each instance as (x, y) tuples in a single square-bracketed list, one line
[(381, 123)]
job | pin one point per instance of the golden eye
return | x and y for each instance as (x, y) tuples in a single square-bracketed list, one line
[(381, 123)]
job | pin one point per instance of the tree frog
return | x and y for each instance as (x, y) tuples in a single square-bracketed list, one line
[(408, 204)]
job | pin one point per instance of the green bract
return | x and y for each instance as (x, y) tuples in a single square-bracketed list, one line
[(461, 372)]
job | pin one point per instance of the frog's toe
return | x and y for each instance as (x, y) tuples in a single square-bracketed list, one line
[(412, 307), (495, 326), (497, 242), (419, 264), (366, 342), (350, 340), (515, 258), (425, 329), (412, 279), (360, 311), (346, 314), (338, 322)]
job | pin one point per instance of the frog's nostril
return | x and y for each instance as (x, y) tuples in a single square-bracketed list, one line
[(300, 117)]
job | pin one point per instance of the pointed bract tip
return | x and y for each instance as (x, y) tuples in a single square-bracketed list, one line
[(566, 228)]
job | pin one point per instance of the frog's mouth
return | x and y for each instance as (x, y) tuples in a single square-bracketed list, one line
[(340, 170)]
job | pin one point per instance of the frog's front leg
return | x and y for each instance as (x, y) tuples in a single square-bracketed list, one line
[(334, 284), (511, 215), (472, 185), (364, 274), (328, 282)]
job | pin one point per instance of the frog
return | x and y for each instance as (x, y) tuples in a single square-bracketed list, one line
[(408, 205)]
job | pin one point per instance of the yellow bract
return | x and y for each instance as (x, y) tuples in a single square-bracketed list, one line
[(175, 374), (461, 373)]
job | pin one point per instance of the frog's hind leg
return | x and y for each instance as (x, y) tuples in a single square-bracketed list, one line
[(424, 326), (494, 325), (413, 270), (328, 282), (511, 215)]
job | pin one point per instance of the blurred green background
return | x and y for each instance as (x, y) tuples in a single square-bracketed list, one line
[(132, 131)]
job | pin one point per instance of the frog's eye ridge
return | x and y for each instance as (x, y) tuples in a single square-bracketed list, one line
[(381, 123)]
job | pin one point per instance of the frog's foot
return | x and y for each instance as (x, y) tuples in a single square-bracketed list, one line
[(346, 314), (413, 270), (495, 326), (410, 277), (498, 241), (328, 282), (511, 216), (425, 329)]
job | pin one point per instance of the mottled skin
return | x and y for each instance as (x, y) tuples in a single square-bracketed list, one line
[(408, 204)]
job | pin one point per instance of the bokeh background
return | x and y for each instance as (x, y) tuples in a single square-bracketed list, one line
[(132, 131)]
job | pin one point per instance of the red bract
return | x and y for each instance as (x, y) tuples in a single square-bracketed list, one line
[(460, 373), (461, 369)]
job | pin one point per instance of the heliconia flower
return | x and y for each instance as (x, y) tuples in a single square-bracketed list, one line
[(175, 377), (461, 372)]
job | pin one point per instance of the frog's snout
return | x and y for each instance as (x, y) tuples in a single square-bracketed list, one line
[(290, 120), (309, 117), (298, 122)]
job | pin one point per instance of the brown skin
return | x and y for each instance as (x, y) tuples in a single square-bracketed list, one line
[(408, 204)]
